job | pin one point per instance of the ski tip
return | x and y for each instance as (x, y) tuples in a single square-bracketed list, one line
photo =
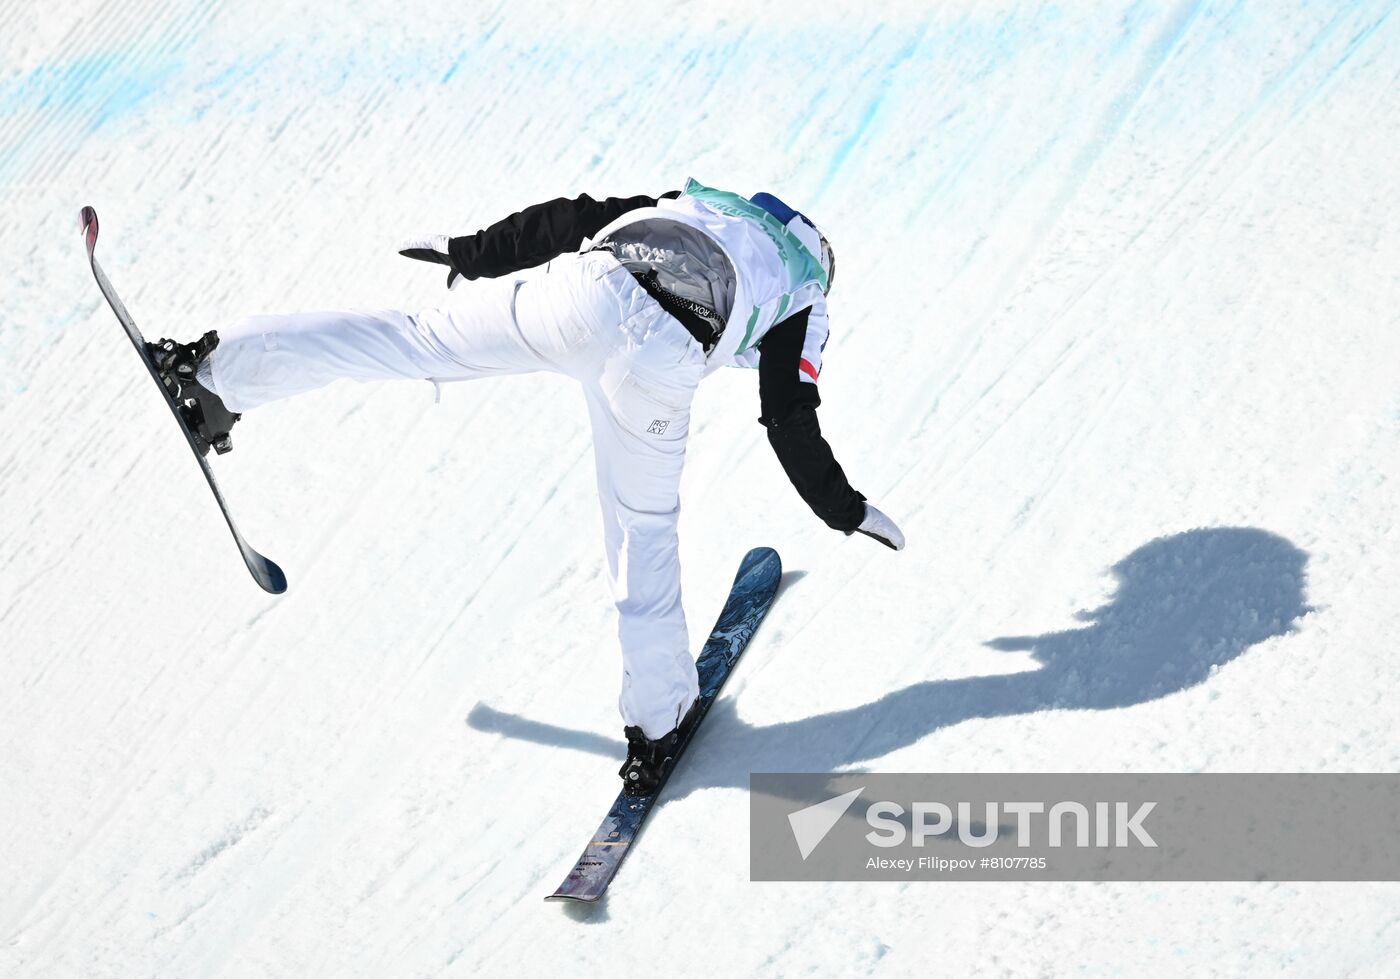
[(761, 557), (271, 578), (88, 219), (760, 571), (264, 570)]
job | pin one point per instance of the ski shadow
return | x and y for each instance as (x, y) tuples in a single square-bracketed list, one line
[(1185, 605), (595, 913), (786, 581)]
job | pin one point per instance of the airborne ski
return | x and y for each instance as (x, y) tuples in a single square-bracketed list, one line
[(264, 572), (754, 588)]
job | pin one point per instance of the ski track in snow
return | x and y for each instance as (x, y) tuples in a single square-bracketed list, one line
[(1114, 340)]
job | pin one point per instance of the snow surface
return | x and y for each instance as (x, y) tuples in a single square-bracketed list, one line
[(1115, 330)]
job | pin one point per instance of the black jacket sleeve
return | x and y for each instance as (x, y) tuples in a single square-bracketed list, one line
[(789, 407), (538, 234)]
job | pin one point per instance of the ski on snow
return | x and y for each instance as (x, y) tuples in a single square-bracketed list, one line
[(264, 572), (755, 586)]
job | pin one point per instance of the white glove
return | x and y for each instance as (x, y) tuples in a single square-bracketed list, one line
[(426, 248), (430, 248), (882, 528)]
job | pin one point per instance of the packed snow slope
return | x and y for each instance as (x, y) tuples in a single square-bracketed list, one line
[(1114, 337)]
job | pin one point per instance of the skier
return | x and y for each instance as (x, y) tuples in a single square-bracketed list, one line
[(637, 298)]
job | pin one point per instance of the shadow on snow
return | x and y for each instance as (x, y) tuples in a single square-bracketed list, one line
[(1185, 605)]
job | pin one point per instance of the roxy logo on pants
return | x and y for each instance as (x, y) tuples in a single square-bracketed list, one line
[(658, 427)]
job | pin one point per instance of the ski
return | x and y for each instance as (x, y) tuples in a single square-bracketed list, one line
[(752, 595), (266, 573)]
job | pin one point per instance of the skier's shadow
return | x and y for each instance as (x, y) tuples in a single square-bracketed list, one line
[(1185, 605)]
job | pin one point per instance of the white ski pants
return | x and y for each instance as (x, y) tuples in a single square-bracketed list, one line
[(584, 316)]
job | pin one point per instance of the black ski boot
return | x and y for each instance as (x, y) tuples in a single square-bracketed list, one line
[(201, 408), (649, 761)]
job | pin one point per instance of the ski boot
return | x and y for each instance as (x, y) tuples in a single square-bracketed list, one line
[(649, 760), (202, 410)]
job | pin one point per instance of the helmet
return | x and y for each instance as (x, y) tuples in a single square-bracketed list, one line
[(804, 230)]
